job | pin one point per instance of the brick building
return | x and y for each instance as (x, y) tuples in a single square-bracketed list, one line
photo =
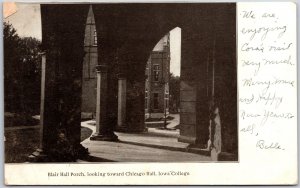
[(157, 80)]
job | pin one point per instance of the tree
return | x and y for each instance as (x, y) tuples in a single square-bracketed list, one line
[(21, 72), (11, 68), (174, 84), (30, 72)]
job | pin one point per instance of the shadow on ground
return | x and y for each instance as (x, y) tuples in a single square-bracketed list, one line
[(91, 158), (20, 143)]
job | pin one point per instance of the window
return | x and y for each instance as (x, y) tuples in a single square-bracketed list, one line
[(95, 38), (167, 103), (89, 65), (146, 103), (146, 73), (156, 73), (166, 88), (155, 100), (146, 99)]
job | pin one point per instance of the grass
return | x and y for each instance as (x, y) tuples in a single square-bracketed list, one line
[(20, 144), (85, 133), (13, 120)]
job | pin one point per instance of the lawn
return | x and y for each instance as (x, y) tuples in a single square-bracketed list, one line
[(14, 120), (20, 144), (85, 133)]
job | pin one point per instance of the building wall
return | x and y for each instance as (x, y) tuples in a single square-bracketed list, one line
[(157, 82), (160, 56), (89, 82)]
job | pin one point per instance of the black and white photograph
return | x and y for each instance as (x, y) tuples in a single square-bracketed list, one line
[(149, 93), (120, 82)]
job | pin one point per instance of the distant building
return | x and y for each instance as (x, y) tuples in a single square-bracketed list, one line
[(157, 74), (157, 80), (89, 81)]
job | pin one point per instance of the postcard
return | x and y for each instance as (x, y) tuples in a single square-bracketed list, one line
[(164, 93)]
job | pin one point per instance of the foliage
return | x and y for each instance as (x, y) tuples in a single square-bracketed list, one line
[(17, 151), (21, 72), (174, 84)]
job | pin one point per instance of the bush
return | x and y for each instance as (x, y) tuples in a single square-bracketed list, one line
[(22, 76)]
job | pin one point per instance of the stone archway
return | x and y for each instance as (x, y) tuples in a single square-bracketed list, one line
[(128, 33), (132, 44), (208, 40)]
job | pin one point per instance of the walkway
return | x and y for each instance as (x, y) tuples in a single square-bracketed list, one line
[(174, 122), (143, 147)]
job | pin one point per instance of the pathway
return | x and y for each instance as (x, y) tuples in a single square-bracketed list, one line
[(143, 147)]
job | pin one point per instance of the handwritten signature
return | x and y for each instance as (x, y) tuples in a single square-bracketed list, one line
[(262, 144)]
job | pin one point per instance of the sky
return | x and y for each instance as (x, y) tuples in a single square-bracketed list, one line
[(175, 48), (26, 19)]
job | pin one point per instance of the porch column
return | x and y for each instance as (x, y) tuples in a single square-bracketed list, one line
[(224, 120), (135, 97), (194, 111), (62, 30), (121, 102), (103, 131), (39, 152), (43, 77)]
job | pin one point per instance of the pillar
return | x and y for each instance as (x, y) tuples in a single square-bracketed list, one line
[(224, 110), (104, 131), (108, 56), (194, 109), (63, 28), (43, 77), (39, 152), (121, 102), (131, 92), (135, 97)]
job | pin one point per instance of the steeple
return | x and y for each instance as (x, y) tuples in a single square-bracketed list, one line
[(90, 17)]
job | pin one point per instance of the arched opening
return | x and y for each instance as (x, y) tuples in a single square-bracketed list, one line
[(162, 85), (131, 52), (207, 75)]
